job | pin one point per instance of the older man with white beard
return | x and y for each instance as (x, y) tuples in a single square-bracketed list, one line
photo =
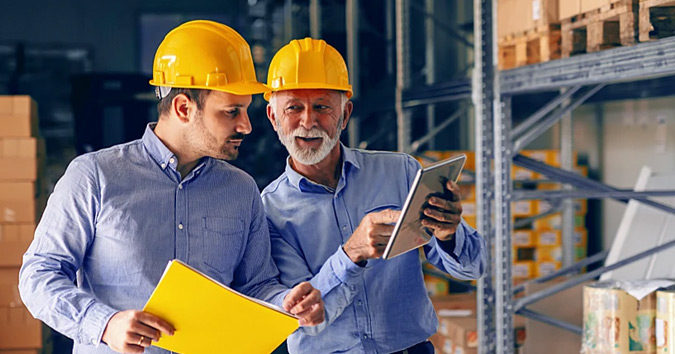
[(332, 211)]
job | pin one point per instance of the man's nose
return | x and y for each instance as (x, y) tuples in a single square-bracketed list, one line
[(244, 124), (308, 119)]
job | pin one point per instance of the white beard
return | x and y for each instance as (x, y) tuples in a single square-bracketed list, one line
[(309, 156)]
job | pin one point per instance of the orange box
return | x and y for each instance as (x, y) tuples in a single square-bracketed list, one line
[(471, 220), (14, 240), (549, 238), (18, 116), (569, 8), (523, 269), (436, 286), (548, 254), (554, 221), (589, 5), (18, 147), (546, 267), (523, 208), (21, 168), (9, 287), (523, 238), (20, 351), (18, 329), (468, 208), (18, 202), (468, 191)]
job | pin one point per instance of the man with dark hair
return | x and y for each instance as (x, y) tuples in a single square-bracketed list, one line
[(118, 215)]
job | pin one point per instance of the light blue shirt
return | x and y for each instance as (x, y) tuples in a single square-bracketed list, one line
[(384, 306), (117, 217)]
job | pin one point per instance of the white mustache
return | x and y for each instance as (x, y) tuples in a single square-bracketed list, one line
[(312, 133)]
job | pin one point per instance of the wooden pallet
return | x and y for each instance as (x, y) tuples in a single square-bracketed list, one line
[(538, 45), (610, 26), (657, 19)]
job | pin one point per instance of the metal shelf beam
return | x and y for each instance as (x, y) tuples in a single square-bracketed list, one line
[(641, 61)]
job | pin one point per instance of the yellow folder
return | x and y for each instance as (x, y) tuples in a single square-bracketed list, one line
[(211, 318)]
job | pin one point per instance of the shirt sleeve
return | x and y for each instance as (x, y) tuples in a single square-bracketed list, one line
[(257, 275), (336, 280), (463, 258), (47, 276)]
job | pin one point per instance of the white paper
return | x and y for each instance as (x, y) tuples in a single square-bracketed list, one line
[(454, 313), (536, 9), (641, 288)]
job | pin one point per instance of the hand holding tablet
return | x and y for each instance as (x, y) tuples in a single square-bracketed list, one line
[(429, 191)]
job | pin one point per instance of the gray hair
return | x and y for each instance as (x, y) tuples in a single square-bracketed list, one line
[(273, 101)]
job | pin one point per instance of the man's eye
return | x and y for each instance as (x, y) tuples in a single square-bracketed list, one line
[(292, 108), (321, 107), (233, 112)]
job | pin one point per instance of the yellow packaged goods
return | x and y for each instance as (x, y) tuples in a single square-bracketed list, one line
[(543, 268), (665, 328), (523, 270), (523, 238), (619, 317), (523, 208)]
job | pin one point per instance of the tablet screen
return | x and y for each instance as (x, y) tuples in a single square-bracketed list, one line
[(409, 233)]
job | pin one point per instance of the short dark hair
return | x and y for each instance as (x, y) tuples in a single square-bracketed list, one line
[(195, 95)]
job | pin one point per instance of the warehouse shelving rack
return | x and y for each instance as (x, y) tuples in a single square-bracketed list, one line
[(497, 144)]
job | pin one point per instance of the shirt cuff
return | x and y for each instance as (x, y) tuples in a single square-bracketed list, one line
[(344, 268), (95, 321), (454, 246)]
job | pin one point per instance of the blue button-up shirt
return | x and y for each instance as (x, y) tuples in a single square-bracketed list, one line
[(116, 218), (382, 307)]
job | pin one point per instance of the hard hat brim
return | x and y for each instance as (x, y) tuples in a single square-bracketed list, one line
[(240, 89), (309, 86)]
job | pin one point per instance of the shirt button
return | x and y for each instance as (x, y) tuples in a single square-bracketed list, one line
[(163, 165), (180, 226), (93, 341), (180, 186), (365, 336), (359, 302), (171, 160), (344, 228)]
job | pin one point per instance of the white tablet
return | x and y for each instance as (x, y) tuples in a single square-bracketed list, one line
[(409, 233)]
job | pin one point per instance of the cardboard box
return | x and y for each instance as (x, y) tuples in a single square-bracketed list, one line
[(20, 351), (554, 222), (18, 329), (569, 8), (18, 116), (21, 158), (523, 270), (436, 286), (469, 208), (471, 220), (665, 326), (468, 191), (617, 322), (543, 268), (566, 305), (590, 5), (18, 202), (523, 238), (9, 288), (14, 240), (18, 147), (523, 207), (13, 169)]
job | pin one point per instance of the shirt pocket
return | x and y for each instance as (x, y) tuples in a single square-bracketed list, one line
[(223, 240), (382, 206)]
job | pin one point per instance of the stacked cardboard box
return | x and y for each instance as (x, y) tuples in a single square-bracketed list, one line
[(21, 201), (621, 317), (538, 245)]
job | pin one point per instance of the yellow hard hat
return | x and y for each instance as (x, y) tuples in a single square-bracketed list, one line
[(308, 64), (206, 55)]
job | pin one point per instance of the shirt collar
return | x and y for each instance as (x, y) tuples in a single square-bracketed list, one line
[(157, 150), (305, 185)]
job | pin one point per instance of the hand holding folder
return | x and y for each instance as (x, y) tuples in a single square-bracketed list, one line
[(209, 317)]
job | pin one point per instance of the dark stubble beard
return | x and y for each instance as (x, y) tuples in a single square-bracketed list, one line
[(200, 139)]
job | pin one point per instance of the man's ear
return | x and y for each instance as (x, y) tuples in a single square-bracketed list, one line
[(271, 116), (180, 107), (349, 107)]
